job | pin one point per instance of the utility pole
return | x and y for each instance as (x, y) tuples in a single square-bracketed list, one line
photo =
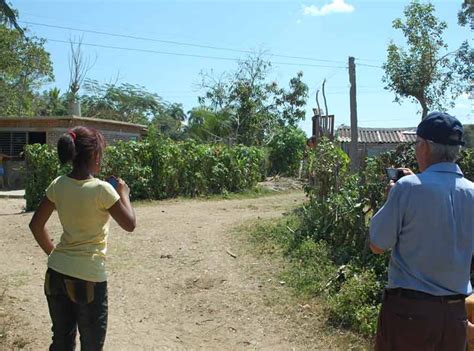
[(353, 153)]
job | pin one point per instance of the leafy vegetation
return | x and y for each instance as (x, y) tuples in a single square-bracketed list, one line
[(9, 16), (24, 67), (249, 108), (158, 168), (326, 240), (42, 168), (286, 151), (426, 71)]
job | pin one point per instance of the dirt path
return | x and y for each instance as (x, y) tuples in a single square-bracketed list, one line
[(172, 283)]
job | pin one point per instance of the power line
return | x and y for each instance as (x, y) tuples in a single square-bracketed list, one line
[(366, 65), (181, 54), (358, 92), (366, 60), (175, 42)]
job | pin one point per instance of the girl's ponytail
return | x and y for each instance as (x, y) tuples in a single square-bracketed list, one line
[(67, 147)]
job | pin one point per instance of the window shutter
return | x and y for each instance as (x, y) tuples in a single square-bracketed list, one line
[(12, 144)]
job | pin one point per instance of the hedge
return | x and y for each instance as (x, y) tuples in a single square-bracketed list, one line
[(157, 168)]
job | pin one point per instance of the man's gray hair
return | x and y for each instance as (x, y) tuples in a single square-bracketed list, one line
[(444, 153)]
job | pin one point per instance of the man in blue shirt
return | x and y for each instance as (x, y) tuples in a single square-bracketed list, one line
[(428, 223)]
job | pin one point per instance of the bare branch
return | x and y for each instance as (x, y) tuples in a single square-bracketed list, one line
[(79, 66)]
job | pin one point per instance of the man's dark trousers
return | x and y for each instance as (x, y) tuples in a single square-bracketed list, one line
[(411, 320)]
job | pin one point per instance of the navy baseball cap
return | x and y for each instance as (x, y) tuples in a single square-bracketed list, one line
[(441, 128)]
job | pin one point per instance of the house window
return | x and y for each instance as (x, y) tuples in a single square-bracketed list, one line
[(36, 138), (13, 143)]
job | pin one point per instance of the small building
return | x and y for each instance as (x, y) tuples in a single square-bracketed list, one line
[(374, 141), (16, 133)]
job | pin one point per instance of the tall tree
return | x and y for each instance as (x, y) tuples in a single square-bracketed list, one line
[(24, 67), (125, 102), (51, 103), (249, 105), (169, 120), (9, 16), (426, 71), (206, 125), (466, 14), (290, 103)]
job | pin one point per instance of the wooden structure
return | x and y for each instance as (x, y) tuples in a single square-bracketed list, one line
[(323, 126)]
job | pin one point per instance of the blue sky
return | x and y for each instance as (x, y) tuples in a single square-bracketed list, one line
[(328, 30)]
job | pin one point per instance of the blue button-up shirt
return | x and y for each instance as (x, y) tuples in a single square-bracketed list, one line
[(428, 222)]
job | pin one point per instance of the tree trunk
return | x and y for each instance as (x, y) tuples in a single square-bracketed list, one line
[(424, 106)]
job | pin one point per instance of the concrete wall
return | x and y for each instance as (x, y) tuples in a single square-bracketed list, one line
[(111, 137), (55, 127)]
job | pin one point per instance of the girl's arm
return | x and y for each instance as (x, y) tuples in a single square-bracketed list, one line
[(38, 225), (122, 211)]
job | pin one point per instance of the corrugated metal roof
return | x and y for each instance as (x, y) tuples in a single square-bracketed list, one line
[(378, 135)]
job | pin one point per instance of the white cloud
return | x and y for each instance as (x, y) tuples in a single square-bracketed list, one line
[(336, 6)]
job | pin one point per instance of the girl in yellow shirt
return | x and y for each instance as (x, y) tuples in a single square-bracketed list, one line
[(76, 279)]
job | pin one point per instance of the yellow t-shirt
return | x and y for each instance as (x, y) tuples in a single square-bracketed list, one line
[(82, 207)]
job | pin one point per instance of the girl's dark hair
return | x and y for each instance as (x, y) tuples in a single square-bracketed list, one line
[(79, 145)]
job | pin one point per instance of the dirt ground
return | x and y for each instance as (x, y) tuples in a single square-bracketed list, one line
[(173, 283)]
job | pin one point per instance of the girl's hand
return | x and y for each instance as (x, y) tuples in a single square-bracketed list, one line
[(38, 225), (122, 211), (122, 188)]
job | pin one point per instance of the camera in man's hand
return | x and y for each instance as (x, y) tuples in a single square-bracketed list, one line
[(394, 173)]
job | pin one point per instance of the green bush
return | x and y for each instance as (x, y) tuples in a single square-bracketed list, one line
[(312, 267), (328, 244), (327, 167), (357, 303), (286, 151), (466, 162), (158, 168), (41, 168), (131, 162), (336, 218)]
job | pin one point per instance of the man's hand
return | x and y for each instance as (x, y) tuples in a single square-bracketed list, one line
[(391, 184), (389, 187), (406, 171), (375, 249)]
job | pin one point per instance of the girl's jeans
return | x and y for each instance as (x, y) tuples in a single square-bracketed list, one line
[(76, 304)]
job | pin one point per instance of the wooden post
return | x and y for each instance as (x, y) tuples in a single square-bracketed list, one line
[(332, 127), (354, 154), (325, 121), (315, 124)]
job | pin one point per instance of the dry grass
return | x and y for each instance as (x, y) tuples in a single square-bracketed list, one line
[(306, 316)]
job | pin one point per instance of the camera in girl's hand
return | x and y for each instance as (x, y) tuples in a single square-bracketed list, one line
[(113, 181)]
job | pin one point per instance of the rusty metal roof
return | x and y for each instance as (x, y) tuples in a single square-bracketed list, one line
[(378, 135)]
